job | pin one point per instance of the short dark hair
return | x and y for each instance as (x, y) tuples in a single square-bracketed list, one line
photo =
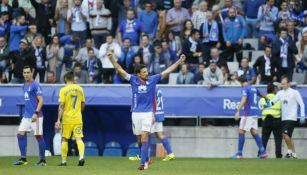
[(69, 76), (145, 35), (283, 29), (242, 79), (194, 31), (26, 67), (77, 65), (267, 46), (90, 49), (139, 67), (285, 77), (270, 88), (126, 38)]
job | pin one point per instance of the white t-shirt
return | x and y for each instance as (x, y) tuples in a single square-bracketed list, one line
[(289, 100)]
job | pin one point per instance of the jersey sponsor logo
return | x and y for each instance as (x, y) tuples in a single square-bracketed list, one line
[(285, 102), (142, 89), (26, 96)]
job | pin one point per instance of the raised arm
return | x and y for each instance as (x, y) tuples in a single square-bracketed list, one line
[(173, 67), (117, 67)]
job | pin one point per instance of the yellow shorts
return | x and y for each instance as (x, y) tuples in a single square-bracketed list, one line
[(75, 130)]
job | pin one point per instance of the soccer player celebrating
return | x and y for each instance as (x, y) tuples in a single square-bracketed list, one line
[(289, 99), (32, 118), (143, 100), (249, 122), (71, 104), (157, 128)]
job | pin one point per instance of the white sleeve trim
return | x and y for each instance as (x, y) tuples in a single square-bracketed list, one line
[(128, 77)]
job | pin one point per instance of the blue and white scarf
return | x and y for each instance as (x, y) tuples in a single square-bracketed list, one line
[(284, 52), (214, 32)]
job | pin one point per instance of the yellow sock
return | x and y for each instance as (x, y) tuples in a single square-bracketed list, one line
[(80, 148), (64, 150)]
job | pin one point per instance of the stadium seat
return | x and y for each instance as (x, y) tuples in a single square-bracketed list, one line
[(252, 41), (112, 149), (133, 150), (91, 149), (233, 66), (299, 78), (255, 55), (172, 78)]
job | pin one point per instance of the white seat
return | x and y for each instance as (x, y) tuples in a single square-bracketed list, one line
[(252, 41), (299, 78), (255, 55), (172, 78), (233, 66)]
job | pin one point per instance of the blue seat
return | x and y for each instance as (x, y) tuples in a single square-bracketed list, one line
[(91, 149), (113, 149)]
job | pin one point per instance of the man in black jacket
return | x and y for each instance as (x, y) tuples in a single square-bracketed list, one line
[(283, 52), (192, 49), (265, 67), (24, 56)]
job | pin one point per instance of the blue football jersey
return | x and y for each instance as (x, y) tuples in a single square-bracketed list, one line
[(159, 106), (144, 93), (31, 91), (251, 106)]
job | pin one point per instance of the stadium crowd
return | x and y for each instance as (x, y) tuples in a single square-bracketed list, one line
[(55, 36)]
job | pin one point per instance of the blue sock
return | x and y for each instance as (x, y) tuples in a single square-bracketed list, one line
[(241, 143), (140, 147), (144, 152), (149, 147), (259, 143), (22, 143), (41, 146), (166, 145)]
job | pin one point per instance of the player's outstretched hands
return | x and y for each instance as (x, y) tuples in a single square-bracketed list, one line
[(302, 120), (57, 125), (182, 58)]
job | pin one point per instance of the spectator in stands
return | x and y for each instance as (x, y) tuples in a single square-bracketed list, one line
[(264, 67), (4, 54), (93, 67), (167, 52), (231, 4), (32, 34), (292, 31), (71, 45), (62, 23), (17, 31), (200, 15), (212, 35), (302, 53), (77, 17), (187, 29), (130, 28), (22, 57), (127, 53), (136, 60), (81, 76), (265, 40), (51, 78), (199, 76), (123, 10), (3, 79), (5, 7), (83, 52), (100, 23), (149, 20), (267, 16), (213, 75), (107, 67), (158, 63), (174, 42), (44, 17), (145, 49), (55, 54), (176, 17), (233, 32), (216, 57), (284, 13), (4, 24), (185, 76), (192, 49), (40, 56), (251, 9), (283, 51), (247, 71)]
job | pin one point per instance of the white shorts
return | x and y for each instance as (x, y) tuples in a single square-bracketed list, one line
[(248, 123), (157, 127), (141, 121), (26, 125)]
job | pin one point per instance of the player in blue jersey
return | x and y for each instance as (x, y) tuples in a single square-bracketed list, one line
[(143, 100), (32, 119), (157, 128), (249, 121)]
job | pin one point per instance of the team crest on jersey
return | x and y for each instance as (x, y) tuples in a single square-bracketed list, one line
[(142, 89)]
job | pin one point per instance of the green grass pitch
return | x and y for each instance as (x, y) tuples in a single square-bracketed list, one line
[(179, 166)]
